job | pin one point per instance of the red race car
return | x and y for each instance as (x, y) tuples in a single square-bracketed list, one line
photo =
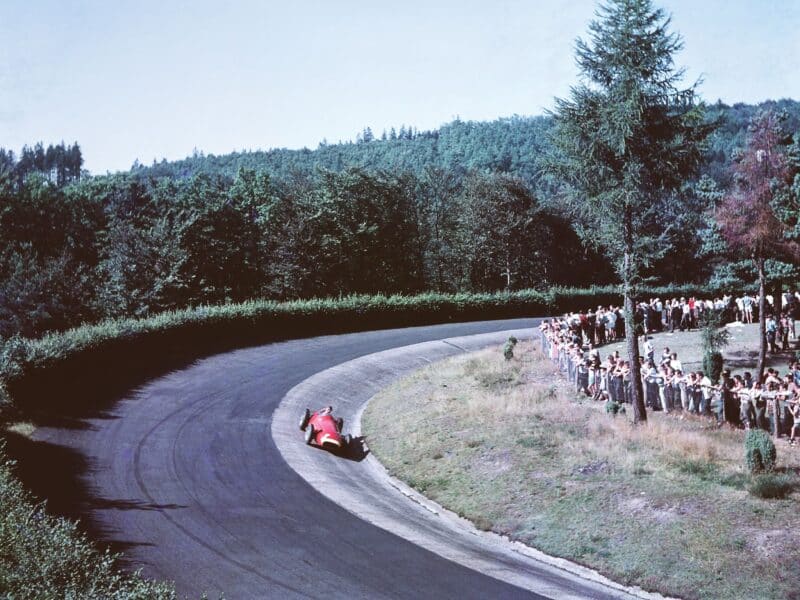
[(323, 430)]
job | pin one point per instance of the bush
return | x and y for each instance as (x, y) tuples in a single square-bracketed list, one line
[(759, 451), (508, 348), (712, 366), (46, 557), (771, 485), (614, 408)]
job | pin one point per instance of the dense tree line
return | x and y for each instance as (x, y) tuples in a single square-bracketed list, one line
[(509, 145), (122, 245), (463, 208), (60, 164)]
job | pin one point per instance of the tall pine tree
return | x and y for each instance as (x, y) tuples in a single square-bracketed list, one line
[(624, 143)]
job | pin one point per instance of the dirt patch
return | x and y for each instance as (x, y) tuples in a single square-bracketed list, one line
[(493, 463), (593, 468), (771, 543)]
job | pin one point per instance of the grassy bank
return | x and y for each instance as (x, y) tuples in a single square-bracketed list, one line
[(665, 506)]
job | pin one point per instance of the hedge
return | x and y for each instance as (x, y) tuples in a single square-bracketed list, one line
[(112, 355)]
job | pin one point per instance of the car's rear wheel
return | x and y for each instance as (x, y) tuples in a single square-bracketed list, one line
[(309, 434), (340, 423), (304, 420), (348, 439)]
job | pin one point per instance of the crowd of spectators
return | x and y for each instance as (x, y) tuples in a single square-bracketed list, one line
[(573, 342)]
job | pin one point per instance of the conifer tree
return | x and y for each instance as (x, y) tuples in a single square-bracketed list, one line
[(624, 143)]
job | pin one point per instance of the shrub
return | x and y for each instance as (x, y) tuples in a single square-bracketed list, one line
[(712, 365), (613, 408), (508, 348), (759, 451), (771, 485), (47, 557), (714, 337)]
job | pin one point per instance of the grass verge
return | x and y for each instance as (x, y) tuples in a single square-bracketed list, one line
[(664, 506)]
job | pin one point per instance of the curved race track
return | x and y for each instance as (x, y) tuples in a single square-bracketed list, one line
[(184, 475)]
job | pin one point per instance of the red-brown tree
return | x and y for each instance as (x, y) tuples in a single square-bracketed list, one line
[(750, 215)]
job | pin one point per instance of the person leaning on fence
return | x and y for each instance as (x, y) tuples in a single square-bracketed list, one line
[(794, 411), (729, 401), (697, 392), (707, 391), (582, 380), (759, 402), (747, 414)]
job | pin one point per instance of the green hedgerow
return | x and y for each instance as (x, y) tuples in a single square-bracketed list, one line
[(759, 451)]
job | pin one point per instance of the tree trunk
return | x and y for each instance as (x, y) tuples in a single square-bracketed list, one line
[(631, 336), (762, 320), (632, 342)]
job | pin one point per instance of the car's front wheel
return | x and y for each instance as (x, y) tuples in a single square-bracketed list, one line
[(310, 434)]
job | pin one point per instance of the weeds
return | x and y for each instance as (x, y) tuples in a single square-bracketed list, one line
[(771, 486)]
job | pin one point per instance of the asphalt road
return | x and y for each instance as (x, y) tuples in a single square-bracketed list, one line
[(184, 475)]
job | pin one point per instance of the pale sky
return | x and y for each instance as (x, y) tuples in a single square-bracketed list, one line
[(151, 79)]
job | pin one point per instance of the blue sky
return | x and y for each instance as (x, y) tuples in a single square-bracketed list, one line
[(152, 79)]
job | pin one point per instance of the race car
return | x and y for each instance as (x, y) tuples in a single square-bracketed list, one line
[(323, 430)]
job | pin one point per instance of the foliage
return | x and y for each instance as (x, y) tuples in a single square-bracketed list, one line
[(508, 348), (714, 337), (750, 216), (614, 408), (771, 485), (511, 145), (759, 450), (44, 557), (625, 142), (463, 208), (713, 365), (758, 216)]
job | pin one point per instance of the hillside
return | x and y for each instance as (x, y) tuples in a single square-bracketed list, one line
[(509, 145)]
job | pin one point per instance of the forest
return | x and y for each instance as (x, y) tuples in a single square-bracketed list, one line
[(467, 207)]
